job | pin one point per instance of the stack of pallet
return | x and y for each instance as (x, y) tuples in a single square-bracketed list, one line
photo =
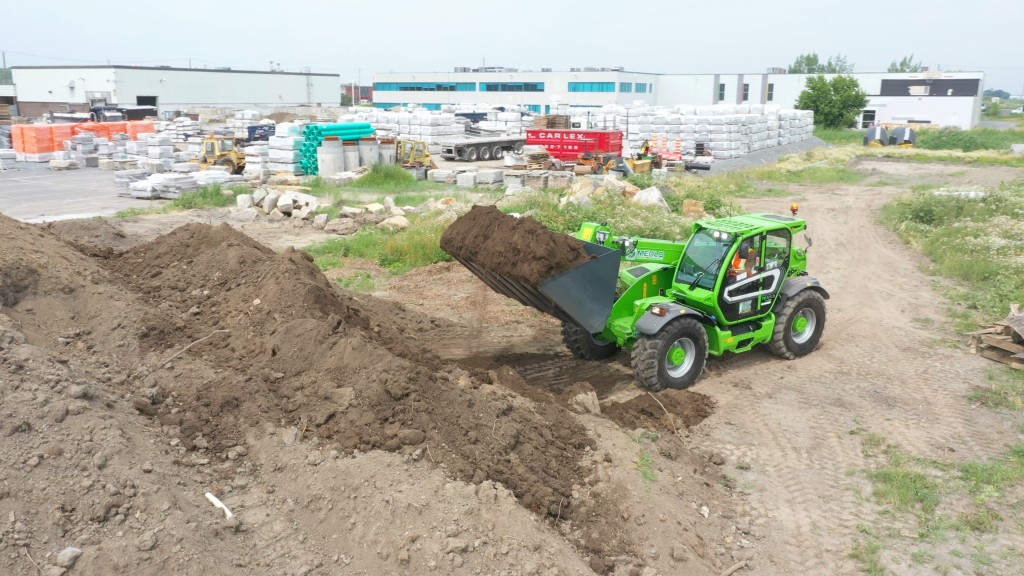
[(537, 160), (1002, 341), (5, 114), (551, 121)]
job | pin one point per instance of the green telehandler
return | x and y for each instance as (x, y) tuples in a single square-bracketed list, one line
[(736, 283)]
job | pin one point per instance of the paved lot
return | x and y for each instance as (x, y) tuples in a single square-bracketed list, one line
[(33, 193)]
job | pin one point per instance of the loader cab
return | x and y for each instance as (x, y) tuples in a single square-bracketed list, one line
[(734, 274)]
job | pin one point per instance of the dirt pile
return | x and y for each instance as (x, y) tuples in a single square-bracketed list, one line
[(203, 361), (298, 352), (520, 248)]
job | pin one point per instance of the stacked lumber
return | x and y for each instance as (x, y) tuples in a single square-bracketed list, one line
[(552, 121), (5, 114), (1002, 341), (536, 160)]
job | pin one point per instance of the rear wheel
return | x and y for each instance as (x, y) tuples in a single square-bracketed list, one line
[(584, 345), (485, 153), (672, 358), (798, 325), (472, 154), (497, 153), (518, 148)]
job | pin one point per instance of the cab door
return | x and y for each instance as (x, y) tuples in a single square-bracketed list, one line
[(749, 292)]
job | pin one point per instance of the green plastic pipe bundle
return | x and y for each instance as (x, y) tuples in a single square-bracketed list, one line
[(316, 133)]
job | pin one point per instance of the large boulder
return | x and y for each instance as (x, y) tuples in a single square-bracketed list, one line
[(395, 223), (650, 197)]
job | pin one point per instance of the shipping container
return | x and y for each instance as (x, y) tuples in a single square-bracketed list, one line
[(567, 145)]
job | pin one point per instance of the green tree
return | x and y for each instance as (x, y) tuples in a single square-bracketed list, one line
[(907, 64), (810, 64), (1001, 94), (346, 99), (835, 102)]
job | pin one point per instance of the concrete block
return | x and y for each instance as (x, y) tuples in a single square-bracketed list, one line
[(258, 195), (320, 221), (270, 202), (374, 208), (107, 164), (352, 211), (244, 201), (302, 213), (395, 223), (465, 180), (285, 204)]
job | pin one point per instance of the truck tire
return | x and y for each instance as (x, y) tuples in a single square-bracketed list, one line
[(498, 153), (583, 344), (226, 162), (485, 153), (472, 154), (518, 148), (799, 322), (672, 358)]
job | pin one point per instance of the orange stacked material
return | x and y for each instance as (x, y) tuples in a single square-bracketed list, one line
[(16, 138), (116, 128), (140, 127), (36, 143), (97, 129), (62, 133)]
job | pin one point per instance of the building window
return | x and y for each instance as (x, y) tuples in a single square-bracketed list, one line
[(641, 88), (867, 119), (535, 108), (650, 88), (512, 86), (591, 86), (746, 92), (425, 86), (721, 92), (625, 87), (771, 92)]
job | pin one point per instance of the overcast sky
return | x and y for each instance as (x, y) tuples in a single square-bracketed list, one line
[(356, 39)]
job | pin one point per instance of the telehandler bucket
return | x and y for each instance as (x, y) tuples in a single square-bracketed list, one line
[(557, 274), (583, 295)]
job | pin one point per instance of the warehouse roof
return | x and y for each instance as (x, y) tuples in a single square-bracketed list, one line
[(172, 68)]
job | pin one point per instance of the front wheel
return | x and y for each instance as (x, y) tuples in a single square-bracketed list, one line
[(798, 325), (672, 358), (584, 345)]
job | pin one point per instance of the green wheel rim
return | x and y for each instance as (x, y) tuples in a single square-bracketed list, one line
[(803, 326), (680, 357)]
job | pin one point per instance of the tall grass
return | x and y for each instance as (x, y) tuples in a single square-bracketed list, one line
[(839, 135), (968, 140), (977, 241), (401, 251), (213, 196)]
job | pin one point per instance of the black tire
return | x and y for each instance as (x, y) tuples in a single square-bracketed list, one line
[(799, 322), (655, 358), (518, 148), (472, 154), (583, 344), (227, 163), (497, 153), (485, 153)]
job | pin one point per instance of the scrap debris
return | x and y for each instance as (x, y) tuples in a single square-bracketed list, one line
[(1002, 341)]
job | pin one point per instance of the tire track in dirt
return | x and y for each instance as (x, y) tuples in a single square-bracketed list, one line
[(876, 370)]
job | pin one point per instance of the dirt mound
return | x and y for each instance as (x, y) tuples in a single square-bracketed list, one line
[(520, 248), (300, 352), (93, 236), (684, 409)]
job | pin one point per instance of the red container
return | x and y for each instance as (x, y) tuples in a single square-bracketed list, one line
[(567, 145)]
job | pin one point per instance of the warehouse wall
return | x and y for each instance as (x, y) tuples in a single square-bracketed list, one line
[(48, 88), (556, 88)]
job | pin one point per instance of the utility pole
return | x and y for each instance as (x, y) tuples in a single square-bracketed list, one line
[(5, 59)]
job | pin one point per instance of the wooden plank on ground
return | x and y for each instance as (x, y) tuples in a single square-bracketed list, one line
[(1004, 342)]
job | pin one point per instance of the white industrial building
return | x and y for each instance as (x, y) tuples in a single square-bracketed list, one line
[(937, 98), (40, 89)]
